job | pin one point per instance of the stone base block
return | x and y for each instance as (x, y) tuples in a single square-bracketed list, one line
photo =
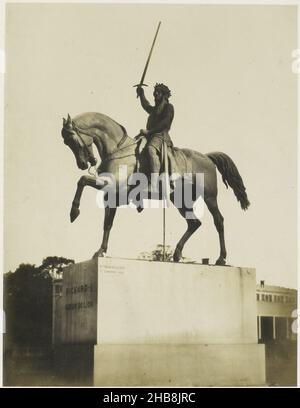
[(143, 302), (188, 365)]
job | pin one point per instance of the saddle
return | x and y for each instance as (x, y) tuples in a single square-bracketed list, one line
[(172, 159)]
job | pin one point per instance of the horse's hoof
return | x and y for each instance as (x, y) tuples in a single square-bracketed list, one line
[(74, 213), (177, 256), (99, 254), (139, 209), (220, 262)]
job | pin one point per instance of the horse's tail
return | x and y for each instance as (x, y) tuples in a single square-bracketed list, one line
[(231, 176)]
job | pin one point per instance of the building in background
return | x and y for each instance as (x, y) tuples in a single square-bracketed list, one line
[(275, 307)]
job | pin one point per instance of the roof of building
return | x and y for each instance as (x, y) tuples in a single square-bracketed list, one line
[(272, 288)]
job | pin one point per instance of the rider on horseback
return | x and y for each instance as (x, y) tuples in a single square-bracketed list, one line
[(158, 125)]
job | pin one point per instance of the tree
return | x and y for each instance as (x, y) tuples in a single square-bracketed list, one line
[(157, 254), (28, 301), (53, 265)]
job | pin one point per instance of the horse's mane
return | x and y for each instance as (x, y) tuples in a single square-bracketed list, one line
[(89, 120)]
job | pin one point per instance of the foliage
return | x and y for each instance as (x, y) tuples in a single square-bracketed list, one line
[(53, 265), (28, 301), (157, 254)]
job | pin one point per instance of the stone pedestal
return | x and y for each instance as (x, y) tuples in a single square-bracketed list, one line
[(179, 365), (160, 324)]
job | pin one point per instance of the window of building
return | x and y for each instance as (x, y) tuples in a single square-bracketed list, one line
[(257, 296), (268, 298)]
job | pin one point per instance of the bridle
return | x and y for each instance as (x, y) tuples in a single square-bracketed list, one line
[(108, 158), (85, 145), (111, 156)]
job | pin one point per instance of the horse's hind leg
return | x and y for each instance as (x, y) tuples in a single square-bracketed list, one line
[(212, 205), (192, 225), (108, 222)]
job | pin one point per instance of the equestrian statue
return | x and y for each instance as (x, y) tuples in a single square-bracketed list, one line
[(150, 153), (116, 148)]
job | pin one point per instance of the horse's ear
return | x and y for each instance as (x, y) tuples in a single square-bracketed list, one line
[(64, 121), (69, 122)]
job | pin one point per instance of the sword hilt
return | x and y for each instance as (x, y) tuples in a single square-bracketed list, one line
[(141, 85)]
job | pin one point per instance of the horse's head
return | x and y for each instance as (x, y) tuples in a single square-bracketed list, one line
[(80, 144)]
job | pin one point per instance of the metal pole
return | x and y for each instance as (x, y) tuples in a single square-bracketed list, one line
[(164, 233), (166, 190)]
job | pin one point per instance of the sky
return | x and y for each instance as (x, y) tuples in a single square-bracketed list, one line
[(233, 89)]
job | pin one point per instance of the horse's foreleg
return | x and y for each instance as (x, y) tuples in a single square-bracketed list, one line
[(82, 182), (108, 222)]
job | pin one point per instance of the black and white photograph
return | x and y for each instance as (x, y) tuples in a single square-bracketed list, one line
[(150, 195)]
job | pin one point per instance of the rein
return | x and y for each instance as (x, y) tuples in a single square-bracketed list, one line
[(86, 146), (109, 157), (117, 149)]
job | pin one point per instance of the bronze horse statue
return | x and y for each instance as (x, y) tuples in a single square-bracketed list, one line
[(116, 148)]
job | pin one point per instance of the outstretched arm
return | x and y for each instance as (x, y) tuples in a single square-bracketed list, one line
[(144, 102)]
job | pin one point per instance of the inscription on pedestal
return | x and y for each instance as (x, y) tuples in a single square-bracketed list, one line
[(79, 304)]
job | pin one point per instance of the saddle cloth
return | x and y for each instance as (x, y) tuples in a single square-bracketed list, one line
[(177, 161)]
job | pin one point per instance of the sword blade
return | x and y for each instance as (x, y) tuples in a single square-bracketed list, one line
[(149, 57)]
